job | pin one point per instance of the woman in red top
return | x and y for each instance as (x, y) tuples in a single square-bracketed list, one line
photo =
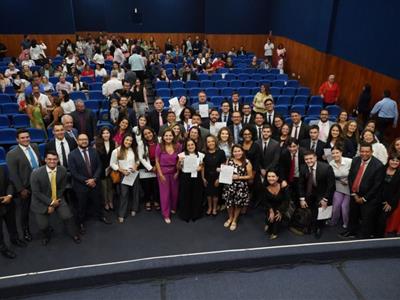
[(329, 91), (87, 71)]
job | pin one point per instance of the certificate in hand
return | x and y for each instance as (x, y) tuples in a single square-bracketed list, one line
[(324, 214), (130, 179), (203, 110), (226, 174), (190, 163), (174, 102)]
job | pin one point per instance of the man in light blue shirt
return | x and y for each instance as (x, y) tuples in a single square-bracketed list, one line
[(386, 111), (137, 64), (202, 99)]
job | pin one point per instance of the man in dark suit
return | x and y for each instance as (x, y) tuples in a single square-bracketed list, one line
[(313, 143), (157, 117), (235, 105), (7, 213), (171, 121), (270, 150), (316, 188), (84, 120), (188, 74), (21, 161), (236, 127), (298, 129), (270, 114), (85, 167), (68, 123), (48, 186), (258, 126), (61, 144), (225, 115), (365, 179), (247, 115)]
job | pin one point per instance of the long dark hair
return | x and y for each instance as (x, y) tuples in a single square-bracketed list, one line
[(146, 143), (196, 151), (99, 141), (123, 150), (243, 159)]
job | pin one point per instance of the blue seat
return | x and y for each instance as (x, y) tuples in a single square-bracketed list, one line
[(265, 82), (203, 76), (243, 76), (270, 77), (77, 95), (101, 124), (227, 91), (282, 109), (222, 70), (163, 92), (316, 100), (162, 85), (104, 115), (37, 135), (9, 108), (87, 79), (165, 100), (215, 77), (104, 103), (283, 77), (275, 90), (7, 136), (20, 121), (236, 71), (96, 95), (92, 104), (334, 110), (206, 84), (176, 84), (217, 100), (284, 100), (221, 83), (301, 109), (193, 92), (5, 99), (314, 110), (248, 99), (235, 84), (191, 84), (292, 83), (251, 83), (42, 150), (300, 100), (177, 92), (4, 122), (278, 83), (288, 120), (291, 91), (53, 79), (244, 91), (50, 134), (230, 77), (257, 77), (212, 92), (304, 91), (310, 118), (99, 79), (96, 86), (274, 71)]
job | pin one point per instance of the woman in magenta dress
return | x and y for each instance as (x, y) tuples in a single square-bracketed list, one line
[(167, 173)]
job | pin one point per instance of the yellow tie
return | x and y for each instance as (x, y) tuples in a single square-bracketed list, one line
[(53, 185)]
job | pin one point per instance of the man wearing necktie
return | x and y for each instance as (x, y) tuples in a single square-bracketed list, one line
[(298, 130), (313, 143), (157, 117), (21, 161), (365, 179), (48, 187), (236, 106), (68, 123), (270, 113), (236, 126)]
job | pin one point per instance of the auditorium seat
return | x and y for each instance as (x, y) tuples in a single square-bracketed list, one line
[(256, 76), (235, 84), (334, 110), (7, 136), (104, 115), (221, 84), (243, 76), (193, 92), (212, 92), (300, 100), (20, 121), (301, 109), (37, 135), (244, 91), (9, 108), (292, 83), (250, 83), (163, 92), (284, 100), (270, 77), (216, 100), (87, 79), (282, 109), (178, 92), (291, 91), (162, 85), (275, 91), (77, 95), (227, 91), (283, 77), (303, 91), (230, 76), (95, 86), (191, 84), (92, 104), (4, 121), (203, 76), (278, 83), (2, 157), (95, 95), (176, 84), (314, 110), (42, 150), (5, 99), (316, 100), (215, 77), (248, 99), (206, 84)]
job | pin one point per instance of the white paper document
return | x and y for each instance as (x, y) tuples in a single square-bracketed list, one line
[(324, 214), (226, 174), (203, 110), (173, 102), (130, 179), (144, 174), (328, 154)]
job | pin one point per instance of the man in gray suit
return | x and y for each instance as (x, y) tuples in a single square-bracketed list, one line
[(48, 185), (21, 161), (270, 150), (324, 124)]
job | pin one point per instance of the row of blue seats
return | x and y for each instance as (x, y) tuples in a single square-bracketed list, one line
[(243, 91)]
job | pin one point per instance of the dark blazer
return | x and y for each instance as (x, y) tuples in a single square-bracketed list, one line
[(285, 162), (231, 128), (78, 169), (90, 123), (231, 107), (319, 149), (325, 181), (153, 119), (303, 131), (51, 146), (229, 121), (371, 181), (74, 133), (269, 158), (251, 120), (105, 158), (193, 76), (41, 188), (391, 191), (6, 188), (348, 148), (19, 167)]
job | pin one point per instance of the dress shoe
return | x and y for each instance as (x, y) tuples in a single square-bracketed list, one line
[(296, 231), (77, 239), (27, 236), (19, 243), (8, 253), (105, 220), (318, 233), (82, 229), (346, 235)]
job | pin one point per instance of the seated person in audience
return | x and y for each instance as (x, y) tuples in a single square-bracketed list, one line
[(47, 85), (48, 187), (37, 81), (209, 69), (248, 115), (26, 73), (200, 61), (313, 143), (229, 63), (112, 85), (254, 64), (316, 188), (47, 70), (100, 71), (163, 76), (189, 74), (78, 85), (265, 64), (202, 99), (4, 82), (323, 124), (174, 75), (58, 71), (12, 70), (63, 84), (298, 130), (87, 71), (218, 63), (241, 51), (226, 113), (232, 52)]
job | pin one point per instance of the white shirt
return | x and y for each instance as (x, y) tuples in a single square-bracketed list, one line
[(43, 100), (268, 49), (379, 152), (66, 86), (68, 107), (26, 152), (341, 173), (119, 56), (111, 86), (294, 130), (267, 117), (115, 163), (35, 53), (323, 130), (246, 119), (98, 59), (100, 73), (50, 171), (59, 151)]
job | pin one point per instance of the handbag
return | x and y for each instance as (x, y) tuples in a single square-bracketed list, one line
[(115, 177)]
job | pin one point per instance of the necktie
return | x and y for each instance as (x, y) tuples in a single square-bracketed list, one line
[(292, 168), (64, 156), (296, 132), (236, 134), (34, 163), (245, 120), (225, 118), (53, 184), (236, 108), (160, 119), (310, 182), (265, 148), (356, 184), (313, 146), (269, 119), (87, 163), (259, 133)]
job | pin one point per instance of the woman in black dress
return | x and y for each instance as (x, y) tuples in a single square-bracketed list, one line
[(213, 159), (190, 183), (104, 146), (277, 198)]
